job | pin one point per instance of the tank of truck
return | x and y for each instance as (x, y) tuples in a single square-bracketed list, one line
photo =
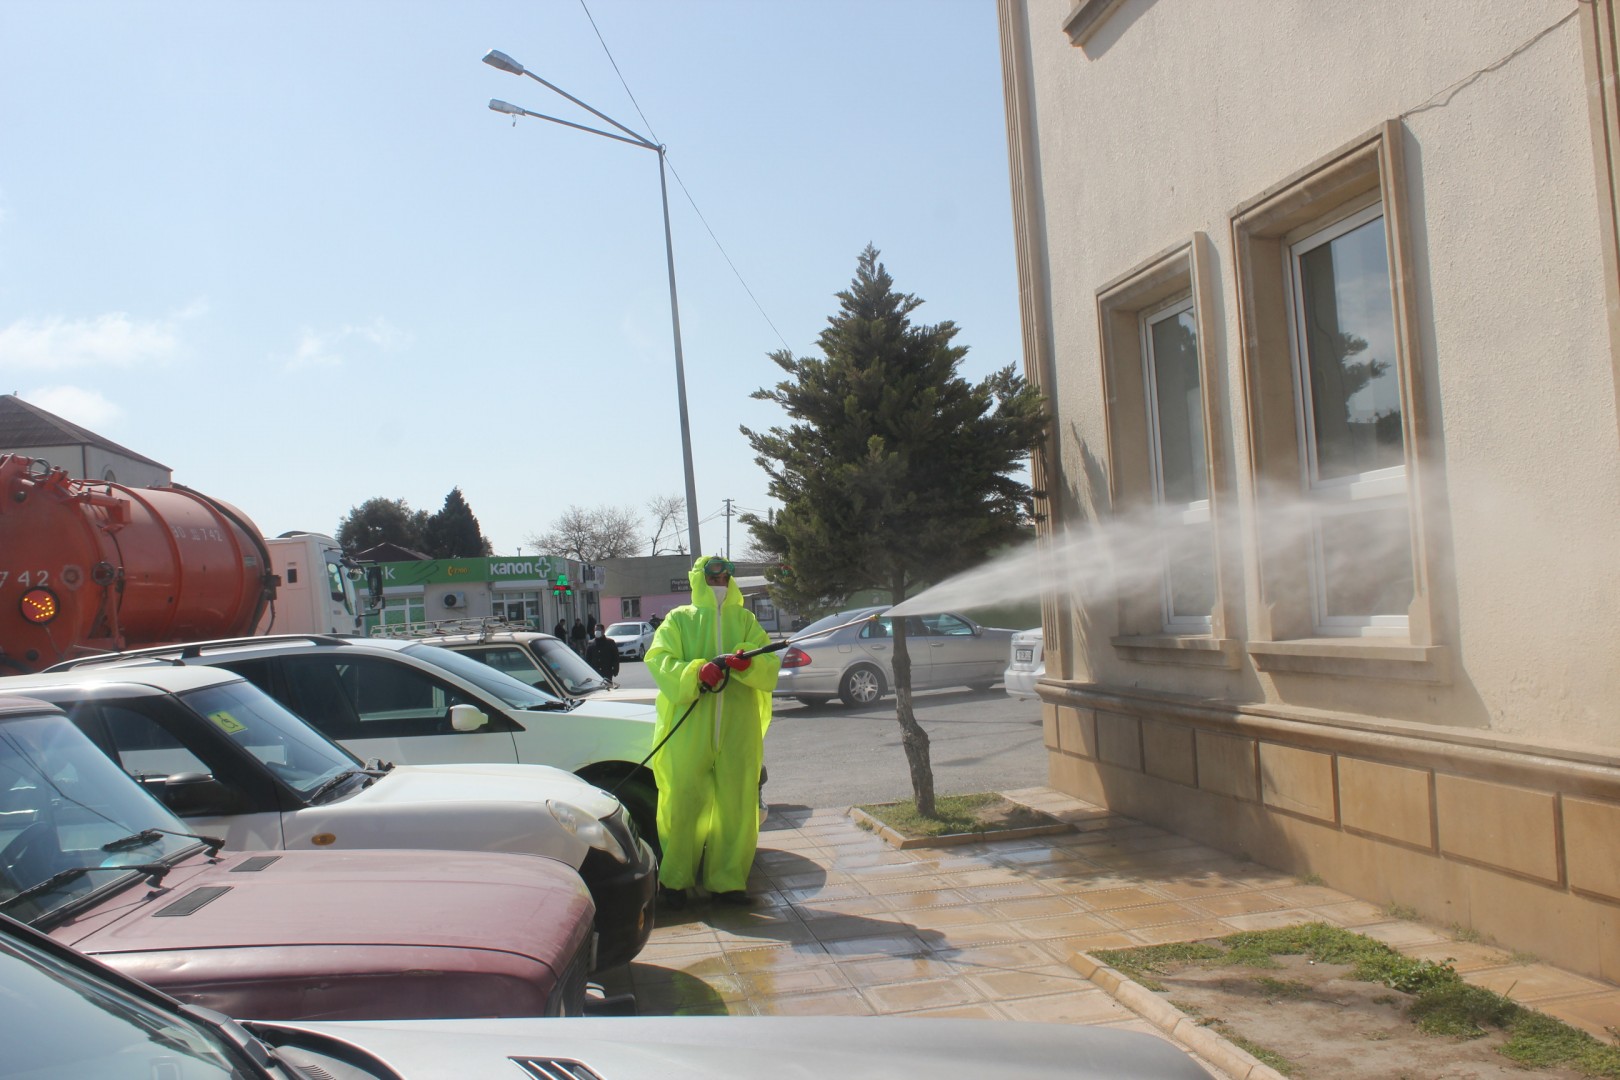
[(94, 566)]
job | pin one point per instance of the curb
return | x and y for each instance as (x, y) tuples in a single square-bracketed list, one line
[(905, 843), (1206, 1043)]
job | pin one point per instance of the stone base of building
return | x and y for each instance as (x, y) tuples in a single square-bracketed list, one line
[(1517, 842)]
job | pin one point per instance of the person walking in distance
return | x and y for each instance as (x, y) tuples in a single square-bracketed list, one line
[(603, 655), (577, 637), (708, 771)]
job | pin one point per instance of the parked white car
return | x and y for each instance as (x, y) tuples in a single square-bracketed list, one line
[(1026, 663), (236, 764), (632, 638), (409, 702), (537, 659)]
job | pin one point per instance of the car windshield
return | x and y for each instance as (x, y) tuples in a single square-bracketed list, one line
[(577, 677), (66, 1022), (624, 629), (839, 618), (262, 726), (63, 803), (503, 687)]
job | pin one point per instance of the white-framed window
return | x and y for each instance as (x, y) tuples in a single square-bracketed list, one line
[(629, 607), (1349, 423), (1176, 448)]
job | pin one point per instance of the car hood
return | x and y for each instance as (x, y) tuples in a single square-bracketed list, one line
[(324, 898), (627, 695), (445, 786), (742, 1048), (594, 707)]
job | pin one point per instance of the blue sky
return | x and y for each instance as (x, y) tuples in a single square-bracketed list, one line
[(285, 248)]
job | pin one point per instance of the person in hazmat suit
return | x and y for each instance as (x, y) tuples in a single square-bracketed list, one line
[(708, 771)]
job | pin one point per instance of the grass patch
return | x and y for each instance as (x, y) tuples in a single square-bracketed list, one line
[(983, 812), (1401, 911), (1258, 1052), (1442, 1003), (1310, 879)]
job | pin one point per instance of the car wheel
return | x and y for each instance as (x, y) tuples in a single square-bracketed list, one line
[(861, 686)]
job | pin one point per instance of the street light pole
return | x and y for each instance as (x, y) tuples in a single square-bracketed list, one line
[(502, 62)]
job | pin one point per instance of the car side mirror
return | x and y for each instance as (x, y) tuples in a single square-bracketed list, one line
[(467, 718), (195, 794)]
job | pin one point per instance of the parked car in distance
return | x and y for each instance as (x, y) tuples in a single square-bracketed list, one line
[(540, 660), (632, 638), (91, 859), (1026, 663), (235, 763), (854, 662), (69, 1016), (416, 704)]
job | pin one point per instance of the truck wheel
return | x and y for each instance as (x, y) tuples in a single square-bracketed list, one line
[(861, 686)]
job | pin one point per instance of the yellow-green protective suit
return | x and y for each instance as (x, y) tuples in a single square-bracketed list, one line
[(708, 774)]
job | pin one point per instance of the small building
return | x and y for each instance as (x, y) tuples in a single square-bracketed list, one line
[(29, 431), (646, 586), (534, 590)]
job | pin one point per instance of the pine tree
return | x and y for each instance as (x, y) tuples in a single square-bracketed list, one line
[(453, 532), (896, 472)]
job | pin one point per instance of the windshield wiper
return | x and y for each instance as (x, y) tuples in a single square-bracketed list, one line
[(73, 873), (331, 782), (152, 836)]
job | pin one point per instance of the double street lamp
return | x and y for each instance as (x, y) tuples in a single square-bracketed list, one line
[(503, 62)]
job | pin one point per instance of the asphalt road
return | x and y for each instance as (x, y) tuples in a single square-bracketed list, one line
[(827, 756)]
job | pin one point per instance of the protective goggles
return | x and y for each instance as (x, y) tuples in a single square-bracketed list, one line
[(716, 565)]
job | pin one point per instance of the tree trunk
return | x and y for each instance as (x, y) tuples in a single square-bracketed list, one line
[(912, 736)]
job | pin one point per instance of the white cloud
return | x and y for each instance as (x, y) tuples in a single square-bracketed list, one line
[(87, 408), (327, 348), (110, 340)]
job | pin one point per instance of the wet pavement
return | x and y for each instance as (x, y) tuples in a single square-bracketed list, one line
[(844, 924)]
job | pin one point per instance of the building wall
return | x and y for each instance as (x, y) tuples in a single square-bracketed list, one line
[(1469, 764), (94, 463)]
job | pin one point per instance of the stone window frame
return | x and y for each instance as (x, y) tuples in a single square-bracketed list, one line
[(1281, 633), (1185, 270)]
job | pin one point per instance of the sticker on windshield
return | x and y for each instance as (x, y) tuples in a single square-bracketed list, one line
[(227, 723)]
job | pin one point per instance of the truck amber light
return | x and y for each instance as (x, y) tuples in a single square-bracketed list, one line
[(39, 606)]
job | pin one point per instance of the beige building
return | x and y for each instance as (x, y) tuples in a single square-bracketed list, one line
[(1326, 298)]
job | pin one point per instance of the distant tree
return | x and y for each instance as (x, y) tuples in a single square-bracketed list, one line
[(453, 532), (896, 472), (382, 521), (590, 535), (669, 516)]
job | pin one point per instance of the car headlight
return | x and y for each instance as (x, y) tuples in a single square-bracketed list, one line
[(588, 829)]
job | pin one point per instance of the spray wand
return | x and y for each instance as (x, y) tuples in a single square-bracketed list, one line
[(704, 688)]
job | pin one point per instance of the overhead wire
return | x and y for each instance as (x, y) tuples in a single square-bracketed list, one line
[(677, 174)]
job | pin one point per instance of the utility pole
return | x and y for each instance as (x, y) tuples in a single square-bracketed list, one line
[(728, 528)]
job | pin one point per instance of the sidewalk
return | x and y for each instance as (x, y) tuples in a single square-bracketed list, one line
[(846, 925)]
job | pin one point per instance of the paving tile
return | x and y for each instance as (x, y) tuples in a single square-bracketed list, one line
[(1108, 899), (927, 898), (1531, 983), (1073, 924), (782, 956), (1016, 955), (926, 994), (844, 927), (884, 886), (1180, 931), (1242, 903), (1063, 948), (1031, 908), (757, 984), (1310, 896), (1399, 934), (889, 970), (950, 918), (1132, 918), (1039, 982), (1356, 913), (1597, 1014), (1463, 955), (945, 938), (1011, 890), (820, 908), (898, 945), (1087, 1007), (1271, 920), (980, 1011), (831, 1003)]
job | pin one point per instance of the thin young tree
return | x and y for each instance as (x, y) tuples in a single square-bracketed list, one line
[(895, 472), (591, 534)]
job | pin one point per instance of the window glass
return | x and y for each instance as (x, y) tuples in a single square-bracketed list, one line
[(948, 625), (577, 677), (503, 688), (288, 747), (1348, 329), (1367, 564), (630, 607), (145, 747), (1178, 406)]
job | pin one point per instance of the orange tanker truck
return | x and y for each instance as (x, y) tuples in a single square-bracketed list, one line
[(94, 566)]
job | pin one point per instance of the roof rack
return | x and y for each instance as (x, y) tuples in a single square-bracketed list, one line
[(444, 627), (183, 651)]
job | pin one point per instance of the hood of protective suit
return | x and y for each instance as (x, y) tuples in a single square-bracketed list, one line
[(703, 595)]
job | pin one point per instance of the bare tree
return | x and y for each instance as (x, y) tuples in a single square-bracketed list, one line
[(669, 514), (590, 534)]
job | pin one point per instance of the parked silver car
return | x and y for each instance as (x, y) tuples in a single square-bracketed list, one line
[(855, 662)]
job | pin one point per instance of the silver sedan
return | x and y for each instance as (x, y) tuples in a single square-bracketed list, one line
[(855, 663)]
